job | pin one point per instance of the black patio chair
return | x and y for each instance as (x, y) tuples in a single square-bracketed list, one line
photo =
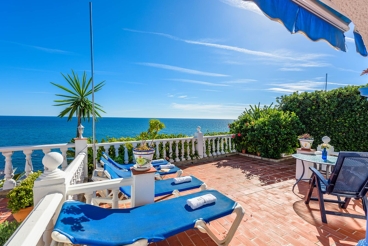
[(349, 179)]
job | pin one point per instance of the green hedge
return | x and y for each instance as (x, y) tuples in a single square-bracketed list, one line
[(267, 131), (340, 114)]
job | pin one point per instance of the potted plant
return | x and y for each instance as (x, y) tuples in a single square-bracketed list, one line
[(306, 141), (21, 197), (143, 154)]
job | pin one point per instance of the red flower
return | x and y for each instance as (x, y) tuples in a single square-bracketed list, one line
[(233, 136), (239, 135)]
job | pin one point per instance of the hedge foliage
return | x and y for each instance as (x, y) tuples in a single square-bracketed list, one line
[(267, 131), (340, 114)]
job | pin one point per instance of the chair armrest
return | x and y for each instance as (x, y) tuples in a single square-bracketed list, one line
[(319, 175)]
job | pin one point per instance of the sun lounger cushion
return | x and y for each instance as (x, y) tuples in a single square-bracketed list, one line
[(155, 163), (91, 225), (162, 187)]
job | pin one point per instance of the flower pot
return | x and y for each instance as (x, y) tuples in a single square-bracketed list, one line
[(243, 151), (306, 144), (143, 158), (22, 214)]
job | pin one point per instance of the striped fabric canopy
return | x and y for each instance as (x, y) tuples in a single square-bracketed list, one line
[(314, 19)]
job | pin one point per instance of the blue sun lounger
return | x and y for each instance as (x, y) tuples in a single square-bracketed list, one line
[(162, 187), (155, 163), (81, 223)]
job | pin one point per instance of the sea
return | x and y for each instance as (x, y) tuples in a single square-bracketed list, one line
[(39, 130)]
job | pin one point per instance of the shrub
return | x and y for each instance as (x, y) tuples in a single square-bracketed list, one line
[(6, 230), (333, 113), (268, 131), (21, 196)]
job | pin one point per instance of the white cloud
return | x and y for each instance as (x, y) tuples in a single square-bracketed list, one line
[(197, 82), (291, 69), (181, 70), (48, 50), (279, 56), (182, 96), (240, 81), (207, 107), (301, 86), (247, 5), (170, 95)]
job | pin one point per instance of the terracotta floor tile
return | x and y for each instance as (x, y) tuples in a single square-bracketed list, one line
[(274, 215)]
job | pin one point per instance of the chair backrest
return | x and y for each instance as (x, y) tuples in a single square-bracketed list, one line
[(350, 175), (114, 172)]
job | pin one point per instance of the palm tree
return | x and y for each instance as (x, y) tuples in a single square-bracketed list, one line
[(77, 102)]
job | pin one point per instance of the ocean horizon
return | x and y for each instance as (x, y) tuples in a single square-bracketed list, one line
[(41, 130)]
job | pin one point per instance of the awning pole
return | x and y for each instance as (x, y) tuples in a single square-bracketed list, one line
[(93, 88)]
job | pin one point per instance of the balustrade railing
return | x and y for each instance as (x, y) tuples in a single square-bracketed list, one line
[(56, 185), (174, 149), (8, 152)]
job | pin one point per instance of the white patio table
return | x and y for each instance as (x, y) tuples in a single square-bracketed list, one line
[(317, 161)]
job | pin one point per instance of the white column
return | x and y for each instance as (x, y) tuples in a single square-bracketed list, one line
[(177, 151), (170, 151), (222, 145), (218, 145), (116, 147), (201, 145), (183, 148), (51, 181), (143, 188), (9, 172), (134, 145), (213, 147), (81, 147), (157, 150), (65, 162), (28, 168), (192, 141), (126, 156), (164, 148)]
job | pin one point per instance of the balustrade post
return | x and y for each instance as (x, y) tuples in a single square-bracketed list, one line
[(51, 181), (213, 147), (170, 151), (116, 147), (9, 172), (143, 188), (177, 150), (28, 167), (222, 145), (81, 147), (126, 155), (201, 145), (157, 150), (65, 162)]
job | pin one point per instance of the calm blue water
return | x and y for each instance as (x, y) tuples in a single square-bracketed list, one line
[(34, 130)]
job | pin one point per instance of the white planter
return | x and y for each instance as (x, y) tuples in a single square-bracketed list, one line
[(143, 158), (306, 143)]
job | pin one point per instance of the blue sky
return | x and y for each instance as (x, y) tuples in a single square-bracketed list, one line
[(162, 58)]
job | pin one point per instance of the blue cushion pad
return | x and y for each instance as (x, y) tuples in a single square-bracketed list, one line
[(167, 186), (87, 224)]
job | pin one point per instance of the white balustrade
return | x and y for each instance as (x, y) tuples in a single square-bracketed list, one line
[(55, 185), (28, 167), (223, 139), (177, 150), (213, 147), (183, 149), (9, 182), (8, 152), (170, 151)]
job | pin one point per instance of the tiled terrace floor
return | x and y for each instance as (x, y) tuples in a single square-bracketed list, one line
[(274, 215)]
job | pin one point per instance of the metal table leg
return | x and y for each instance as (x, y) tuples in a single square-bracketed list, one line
[(301, 177)]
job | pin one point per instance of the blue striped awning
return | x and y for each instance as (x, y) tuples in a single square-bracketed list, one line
[(296, 19)]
